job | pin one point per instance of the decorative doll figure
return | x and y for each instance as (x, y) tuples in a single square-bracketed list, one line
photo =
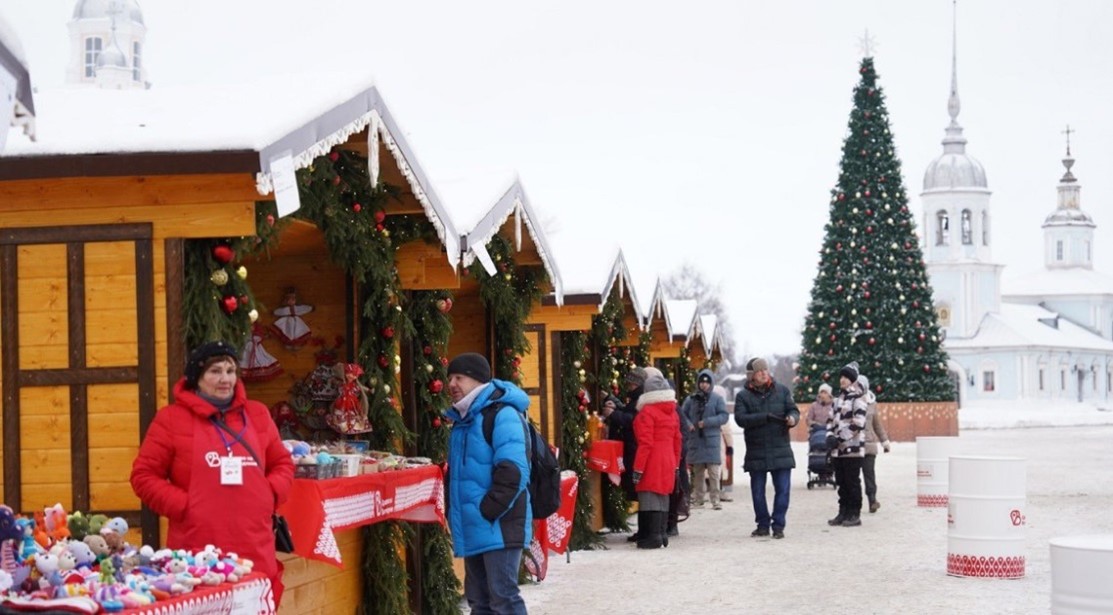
[(349, 411), (256, 364), (289, 326)]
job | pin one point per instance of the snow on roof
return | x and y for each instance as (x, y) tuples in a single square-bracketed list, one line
[(680, 314), (510, 200), (1073, 281), (709, 327), (1024, 326), (317, 111), (16, 82), (585, 269), (471, 195)]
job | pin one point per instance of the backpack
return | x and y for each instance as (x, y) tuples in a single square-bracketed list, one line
[(544, 470)]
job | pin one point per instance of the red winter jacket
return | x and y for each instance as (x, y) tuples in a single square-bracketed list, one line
[(657, 428), (177, 474)]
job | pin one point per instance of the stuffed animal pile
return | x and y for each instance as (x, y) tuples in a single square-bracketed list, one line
[(55, 555)]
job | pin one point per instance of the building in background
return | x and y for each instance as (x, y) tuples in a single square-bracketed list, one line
[(107, 39)]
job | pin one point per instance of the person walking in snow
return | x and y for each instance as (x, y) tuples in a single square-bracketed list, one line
[(764, 409), (705, 412), (656, 466), (875, 433), (846, 441)]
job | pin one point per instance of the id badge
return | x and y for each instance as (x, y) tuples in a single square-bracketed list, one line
[(231, 470)]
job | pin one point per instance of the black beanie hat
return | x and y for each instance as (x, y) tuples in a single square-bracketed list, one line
[(473, 365), (850, 370), (203, 353)]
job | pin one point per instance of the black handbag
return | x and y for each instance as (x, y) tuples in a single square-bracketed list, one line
[(283, 540)]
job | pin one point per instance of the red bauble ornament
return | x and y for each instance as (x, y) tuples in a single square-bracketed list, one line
[(877, 388), (869, 230), (435, 386), (830, 353), (842, 197), (872, 341), (437, 421), (383, 361), (380, 215), (336, 180), (229, 304), (428, 350), (922, 337), (444, 361), (442, 305), (387, 332), (806, 378), (915, 304), (927, 368), (869, 212), (508, 351), (516, 362), (917, 323), (223, 254), (357, 208), (379, 227), (833, 337), (838, 288), (838, 246), (866, 295), (334, 156), (243, 299), (867, 192), (270, 220), (920, 350), (869, 325), (831, 326)]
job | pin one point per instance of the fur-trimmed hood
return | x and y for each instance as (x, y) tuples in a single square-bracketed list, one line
[(653, 397)]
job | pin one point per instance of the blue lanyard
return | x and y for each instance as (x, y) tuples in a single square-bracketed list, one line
[(239, 436)]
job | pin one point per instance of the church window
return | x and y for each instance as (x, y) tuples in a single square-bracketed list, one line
[(967, 228), (943, 314), (942, 228), (1041, 379), (136, 67), (985, 228), (988, 384), (93, 46), (1088, 257), (1063, 379), (1109, 382), (1059, 250)]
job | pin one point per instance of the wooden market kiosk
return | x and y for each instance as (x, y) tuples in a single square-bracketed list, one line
[(94, 219)]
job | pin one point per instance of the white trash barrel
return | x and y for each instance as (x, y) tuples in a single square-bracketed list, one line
[(985, 517), (932, 453), (1082, 574)]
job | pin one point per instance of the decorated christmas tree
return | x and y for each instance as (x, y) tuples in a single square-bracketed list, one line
[(871, 301)]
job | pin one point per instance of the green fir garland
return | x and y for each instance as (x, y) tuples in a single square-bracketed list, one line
[(685, 375), (213, 275), (508, 295), (574, 404), (428, 311), (607, 331)]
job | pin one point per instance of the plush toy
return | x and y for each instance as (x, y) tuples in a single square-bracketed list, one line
[(98, 546), (210, 578), (225, 569), (78, 525), (96, 522), (114, 541), (108, 597), (66, 561), (83, 554), (115, 524), (47, 565), (27, 545), (6, 581), (55, 518)]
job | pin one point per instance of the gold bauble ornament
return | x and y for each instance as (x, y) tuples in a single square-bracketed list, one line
[(242, 272), (219, 277), (253, 315)]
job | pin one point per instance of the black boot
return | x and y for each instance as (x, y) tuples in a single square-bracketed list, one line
[(663, 525), (652, 535), (838, 520), (853, 519), (641, 528), (672, 530)]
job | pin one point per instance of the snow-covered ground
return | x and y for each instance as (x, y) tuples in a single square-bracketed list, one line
[(894, 563), (1018, 414)]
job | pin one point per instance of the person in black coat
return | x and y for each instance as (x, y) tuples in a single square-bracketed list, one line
[(620, 426), (764, 409)]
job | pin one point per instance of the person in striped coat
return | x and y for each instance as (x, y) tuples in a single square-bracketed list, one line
[(846, 441)]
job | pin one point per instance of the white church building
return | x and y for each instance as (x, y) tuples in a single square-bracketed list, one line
[(1045, 336), (107, 39)]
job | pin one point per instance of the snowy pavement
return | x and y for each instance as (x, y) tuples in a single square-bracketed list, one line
[(895, 562)]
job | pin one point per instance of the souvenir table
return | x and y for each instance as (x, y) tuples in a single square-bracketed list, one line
[(251, 596), (316, 509), (555, 532), (605, 457)]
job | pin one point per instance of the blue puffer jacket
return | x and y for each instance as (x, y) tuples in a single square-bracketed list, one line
[(488, 505), (705, 444)]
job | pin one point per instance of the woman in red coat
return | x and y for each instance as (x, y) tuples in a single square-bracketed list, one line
[(214, 465), (657, 429)]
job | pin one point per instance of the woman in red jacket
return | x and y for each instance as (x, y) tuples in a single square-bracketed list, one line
[(657, 429), (213, 464)]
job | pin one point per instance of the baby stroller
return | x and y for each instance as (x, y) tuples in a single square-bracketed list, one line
[(820, 471)]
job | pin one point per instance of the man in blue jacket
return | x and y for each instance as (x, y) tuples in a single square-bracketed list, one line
[(488, 504)]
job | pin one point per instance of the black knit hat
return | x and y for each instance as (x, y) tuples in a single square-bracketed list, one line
[(473, 365), (850, 370), (203, 353)]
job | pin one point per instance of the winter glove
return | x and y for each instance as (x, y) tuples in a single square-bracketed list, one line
[(886, 445), (637, 476), (730, 451)]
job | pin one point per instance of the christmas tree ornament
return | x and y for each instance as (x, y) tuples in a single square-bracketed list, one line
[(437, 422), (435, 386), (223, 254), (253, 315), (356, 207), (380, 216), (219, 277), (241, 273), (429, 368), (229, 304)]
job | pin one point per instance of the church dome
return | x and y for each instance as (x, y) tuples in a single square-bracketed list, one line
[(954, 170), (99, 9)]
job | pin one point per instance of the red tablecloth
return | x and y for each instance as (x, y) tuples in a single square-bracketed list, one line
[(251, 596), (317, 508), (605, 456), (555, 532)]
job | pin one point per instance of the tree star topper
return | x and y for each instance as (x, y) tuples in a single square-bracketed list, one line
[(867, 44)]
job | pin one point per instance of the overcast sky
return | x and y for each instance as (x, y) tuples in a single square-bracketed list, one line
[(701, 131)]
